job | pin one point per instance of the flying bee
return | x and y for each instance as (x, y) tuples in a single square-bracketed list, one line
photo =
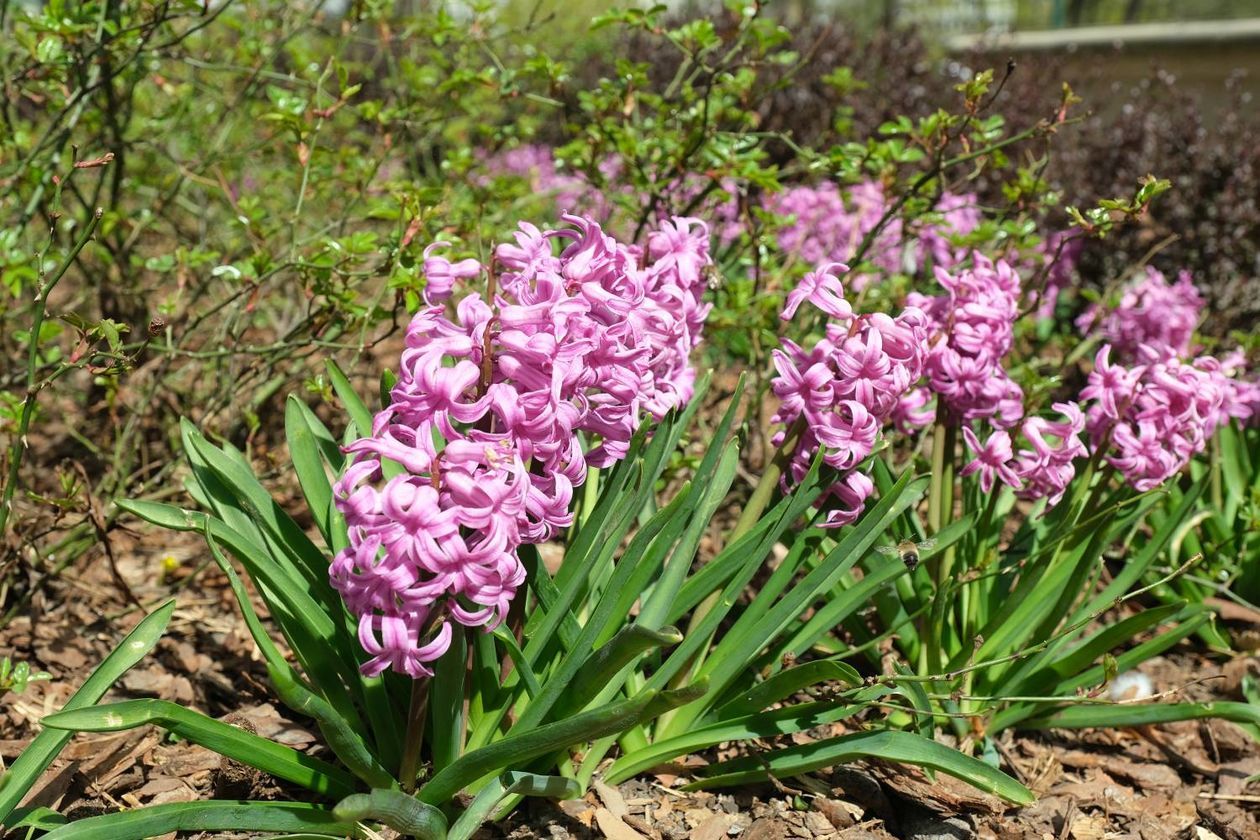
[(908, 550), (712, 277)]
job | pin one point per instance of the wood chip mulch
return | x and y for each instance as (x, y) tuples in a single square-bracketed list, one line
[(1186, 780)]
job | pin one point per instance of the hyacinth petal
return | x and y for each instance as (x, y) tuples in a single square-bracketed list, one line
[(822, 288)]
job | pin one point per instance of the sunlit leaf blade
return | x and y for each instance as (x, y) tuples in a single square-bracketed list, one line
[(39, 817), (212, 815), (509, 784), (782, 721), (1095, 675), (223, 738), (516, 750), (1085, 715), (788, 682), (27, 767), (308, 465), (446, 700), (1085, 654), (560, 680), (359, 413), (297, 552), (752, 633), (400, 811), (307, 625), (340, 736), (604, 663), (887, 745)]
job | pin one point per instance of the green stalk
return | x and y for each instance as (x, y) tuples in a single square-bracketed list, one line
[(1218, 493), (757, 504), (590, 494), (940, 507), (417, 711), (938, 471), (946, 564), (18, 449), (979, 547), (769, 481)]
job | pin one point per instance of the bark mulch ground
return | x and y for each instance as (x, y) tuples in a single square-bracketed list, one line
[(1185, 780)]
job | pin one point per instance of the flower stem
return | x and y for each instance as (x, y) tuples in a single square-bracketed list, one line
[(417, 712), (1218, 494), (769, 481), (940, 507)]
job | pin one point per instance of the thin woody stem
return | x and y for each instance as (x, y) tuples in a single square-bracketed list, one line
[(33, 386)]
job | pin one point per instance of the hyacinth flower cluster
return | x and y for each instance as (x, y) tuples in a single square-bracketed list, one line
[(1151, 313), (1043, 469), (972, 325), (959, 215), (972, 330), (1152, 417), (478, 452), (838, 394), (536, 165), (824, 227), (1241, 395)]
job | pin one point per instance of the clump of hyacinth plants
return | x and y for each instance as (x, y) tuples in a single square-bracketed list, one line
[(538, 399), (1001, 626), (486, 420)]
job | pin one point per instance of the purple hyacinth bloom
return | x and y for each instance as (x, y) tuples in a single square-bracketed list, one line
[(973, 326), (992, 460), (823, 289), (1152, 312), (441, 274), (584, 342), (1153, 416), (844, 388)]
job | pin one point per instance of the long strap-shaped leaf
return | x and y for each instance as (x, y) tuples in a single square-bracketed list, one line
[(747, 636), (511, 784), (350, 401), (213, 815), (310, 447), (1041, 681), (1142, 714), (559, 681), (889, 745), (788, 682), (305, 560), (223, 738), (341, 737), (306, 627), (27, 767), (782, 721), (516, 750), (746, 555), (400, 811), (1095, 675)]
